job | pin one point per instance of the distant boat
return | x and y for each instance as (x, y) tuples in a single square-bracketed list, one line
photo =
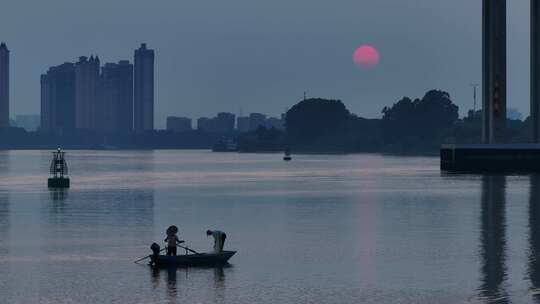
[(287, 156), (58, 170), (225, 145)]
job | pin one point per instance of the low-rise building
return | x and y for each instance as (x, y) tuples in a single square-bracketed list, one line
[(276, 123), (179, 124), (28, 122), (222, 123), (256, 120), (203, 124), (242, 124)]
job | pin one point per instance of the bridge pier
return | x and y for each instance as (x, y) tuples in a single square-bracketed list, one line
[(493, 71), (535, 70)]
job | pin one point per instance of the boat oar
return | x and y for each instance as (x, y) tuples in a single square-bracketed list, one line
[(146, 257), (190, 250)]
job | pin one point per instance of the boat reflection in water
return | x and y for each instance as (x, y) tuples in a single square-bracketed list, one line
[(171, 283), (172, 274), (534, 237), (171, 280), (219, 276), (493, 240)]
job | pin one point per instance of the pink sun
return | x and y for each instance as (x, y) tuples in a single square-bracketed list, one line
[(366, 56)]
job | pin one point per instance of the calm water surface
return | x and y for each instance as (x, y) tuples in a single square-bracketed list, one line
[(320, 229)]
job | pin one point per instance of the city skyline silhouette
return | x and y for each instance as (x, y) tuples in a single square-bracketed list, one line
[(214, 57)]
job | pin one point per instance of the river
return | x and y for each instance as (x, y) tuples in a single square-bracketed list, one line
[(358, 228)]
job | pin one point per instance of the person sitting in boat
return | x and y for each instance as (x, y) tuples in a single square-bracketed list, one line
[(219, 239), (172, 240), (155, 253)]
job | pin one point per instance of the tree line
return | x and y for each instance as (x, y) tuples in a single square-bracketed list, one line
[(409, 126)]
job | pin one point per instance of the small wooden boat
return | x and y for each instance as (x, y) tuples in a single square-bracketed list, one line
[(200, 259), (287, 156)]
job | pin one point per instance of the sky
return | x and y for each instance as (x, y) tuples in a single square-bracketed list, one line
[(246, 56)]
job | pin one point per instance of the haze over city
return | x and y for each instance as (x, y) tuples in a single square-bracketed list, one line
[(270, 152), (261, 57)]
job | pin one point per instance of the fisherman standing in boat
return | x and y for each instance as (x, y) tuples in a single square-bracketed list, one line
[(172, 240), (219, 239)]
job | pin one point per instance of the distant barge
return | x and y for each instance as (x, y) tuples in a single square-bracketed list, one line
[(491, 158), (225, 145)]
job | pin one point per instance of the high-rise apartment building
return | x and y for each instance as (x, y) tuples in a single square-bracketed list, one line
[(4, 85), (58, 99), (144, 89), (88, 105), (116, 87)]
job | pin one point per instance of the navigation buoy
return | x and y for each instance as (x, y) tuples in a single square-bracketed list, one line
[(58, 170)]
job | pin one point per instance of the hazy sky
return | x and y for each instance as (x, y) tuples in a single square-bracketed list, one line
[(259, 56)]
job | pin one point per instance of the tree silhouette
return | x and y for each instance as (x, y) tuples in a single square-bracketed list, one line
[(427, 119), (316, 117)]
